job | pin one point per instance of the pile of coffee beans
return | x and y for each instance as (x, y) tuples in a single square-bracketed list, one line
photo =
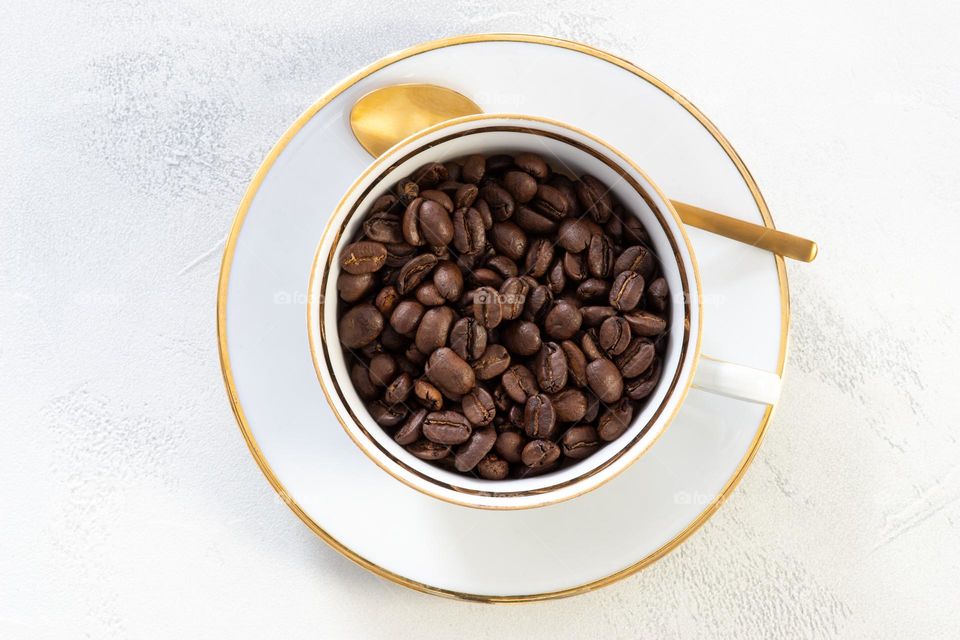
[(500, 318)]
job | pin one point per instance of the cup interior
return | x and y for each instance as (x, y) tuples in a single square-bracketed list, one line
[(572, 153)]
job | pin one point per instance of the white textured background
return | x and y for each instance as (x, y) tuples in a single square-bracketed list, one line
[(129, 505)]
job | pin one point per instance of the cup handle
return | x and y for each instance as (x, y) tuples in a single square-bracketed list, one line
[(736, 381)]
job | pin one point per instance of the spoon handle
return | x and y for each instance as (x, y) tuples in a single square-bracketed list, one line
[(779, 242)]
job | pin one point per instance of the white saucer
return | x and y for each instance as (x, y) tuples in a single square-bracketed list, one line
[(404, 535)]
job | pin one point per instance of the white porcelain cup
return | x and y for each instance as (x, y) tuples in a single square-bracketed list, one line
[(575, 153)]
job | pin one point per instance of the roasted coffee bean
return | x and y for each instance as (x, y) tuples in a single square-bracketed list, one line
[(427, 450), (657, 294), (576, 362), (565, 186), (440, 198), (521, 185), (360, 326), (492, 467), (503, 265), (434, 329), (605, 380), (484, 277), (533, 221), (643, 385), (556, 278), (519, 383), (614, 335), (372, 349), (428, 395), (570, 405), (550, 368), (406, 317), (387, 415), (595, 198), (407, 191), (499, 163), (453, 170), (383, 369), (412, 429), (562, 321), (644, 323), (413, 273), (398, 254), (399, 390), (593, 408), (363, 257), (383, 227), (414, 355), (579, 442), (615, 421), (539, 417), (600, 256), (636, 358), (550, 202), (471, 452), (430, 174), (575, 266), (487, 308), (590, 344), (449, 372), (427, 295), (469, 234), (360, 377), (538, 303), (478, 407), (596, 315), (521, 338), (354, 287), (468, 338), (494, 361), (485, 216), (539, 256), (635, 258), (474, 169), (515, 416), (509, 445), (574, 235), (386, 202), (447, 427), (465, 196), (499, 200), (540, 453), (626, 291), (386, 301), (509, 240), (533, 164), (427, 222), (593, 289), (513, 295)]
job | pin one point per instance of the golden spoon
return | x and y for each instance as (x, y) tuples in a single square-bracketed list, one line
[(387, 115)]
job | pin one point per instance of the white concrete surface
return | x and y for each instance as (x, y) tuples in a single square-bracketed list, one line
[(129, 505)]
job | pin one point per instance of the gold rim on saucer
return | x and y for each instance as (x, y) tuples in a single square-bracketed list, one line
[(223, 288)]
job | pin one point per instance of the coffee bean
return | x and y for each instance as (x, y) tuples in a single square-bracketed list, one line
[(605, 380), (354, 287), (574, 235), (576, 362), (386, 202), (550, 368), (579, 442), (539, 453), (434, 329), (412, 429), (363, 257), (513, 295), (492, 363), (565, 186), (636, 357), (550, 202), (474, 169), (509, 240), (360, 326), (430, 174), (539, 301), (468, 338), (484, 277), (570, 405), (398, 254), (626, 291), (413, 273), (428, 395), (556, 278), (427, 295), (519, 383), (478, 407), (539, 417), (533, 164), (383, 369), (406, 317), (615, 420), (510, 445), (499, 200), (449, 372), (596, 315), (614, 335), (595, 199), (383, 227), (635, 258), (643, 385), (360, 377), (539, 257), (399, 390), (386, 301), (562, 321), (533, 221), (486, 307), (503, 265), (448, 279), (657, 294), (446, 427), (593, 408), (492, 467), (470, 453), (521, 185), (593, 289), (469, 234), (440, 198), (426, 450), (575, 266), (521, 338), (407, 190), (590, 344), (644, 323), (386, 415), (465, 196)]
